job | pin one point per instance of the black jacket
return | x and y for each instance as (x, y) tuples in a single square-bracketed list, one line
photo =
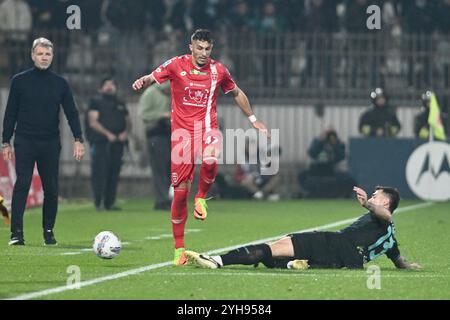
[(34, 103)]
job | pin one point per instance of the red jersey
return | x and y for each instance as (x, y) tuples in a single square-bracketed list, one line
[(194, 90)]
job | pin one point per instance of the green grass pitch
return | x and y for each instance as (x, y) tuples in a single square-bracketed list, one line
[(31, 271)]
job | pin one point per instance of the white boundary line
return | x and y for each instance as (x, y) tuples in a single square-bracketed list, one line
[(131, 272)]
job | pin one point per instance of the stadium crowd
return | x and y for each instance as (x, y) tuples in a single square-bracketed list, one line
[(417, 16), (116, 26)]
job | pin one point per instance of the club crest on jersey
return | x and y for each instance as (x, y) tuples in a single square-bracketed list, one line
[(183, 73), (199, 96)]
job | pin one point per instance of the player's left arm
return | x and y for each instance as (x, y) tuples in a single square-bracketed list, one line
[(242, 101), (401, 263)]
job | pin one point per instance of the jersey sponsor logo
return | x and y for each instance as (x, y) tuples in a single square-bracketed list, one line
[(193, 84), (198, 73), (428, 171), (195, 97)]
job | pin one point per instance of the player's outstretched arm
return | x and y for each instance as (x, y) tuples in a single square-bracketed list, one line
[(401, 263), (379, 211), (242, 101), (143, 82)]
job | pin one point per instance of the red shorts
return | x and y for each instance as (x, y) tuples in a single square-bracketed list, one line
[(187, 151)]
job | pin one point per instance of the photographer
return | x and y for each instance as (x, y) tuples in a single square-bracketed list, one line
[(322, 180)]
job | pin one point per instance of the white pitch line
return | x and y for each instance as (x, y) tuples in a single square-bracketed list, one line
[(131, 272)]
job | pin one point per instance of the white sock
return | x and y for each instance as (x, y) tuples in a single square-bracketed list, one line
[(218, 259)]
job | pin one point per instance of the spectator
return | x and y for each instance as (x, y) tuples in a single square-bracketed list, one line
[(242, 22), (356, 16), (294, 13), (128, 15), (15, 22), (42, 11), (321, 21), (421, 126), (187, 16), (109, 124), (419, 18), (321, 17), (249, 175), (322, 179), (443, 14), (380, 120), (442, 51), (271, 25), (361, 40), (154, 110)]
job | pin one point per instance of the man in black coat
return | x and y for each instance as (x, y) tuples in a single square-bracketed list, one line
[(32, 111)]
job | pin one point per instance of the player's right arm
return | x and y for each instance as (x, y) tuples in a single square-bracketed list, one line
[(161, 74), (143, 82)]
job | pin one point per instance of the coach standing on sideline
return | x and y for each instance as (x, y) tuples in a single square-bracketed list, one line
[(32, 110)]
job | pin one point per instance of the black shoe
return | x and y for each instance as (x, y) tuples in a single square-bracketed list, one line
[(17, 239), (49, 238)]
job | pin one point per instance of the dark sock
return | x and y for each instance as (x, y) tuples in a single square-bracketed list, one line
[(248, 255), (277, 263)]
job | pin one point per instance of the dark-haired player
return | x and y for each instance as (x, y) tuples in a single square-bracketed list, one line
[(195, 81), (369, 237)]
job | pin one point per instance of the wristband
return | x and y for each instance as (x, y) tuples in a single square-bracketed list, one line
[(252, 118)]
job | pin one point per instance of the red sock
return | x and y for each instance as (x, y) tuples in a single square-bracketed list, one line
[(179, 216), (208, 172)]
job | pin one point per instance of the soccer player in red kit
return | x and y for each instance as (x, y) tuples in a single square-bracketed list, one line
[(195, 81)]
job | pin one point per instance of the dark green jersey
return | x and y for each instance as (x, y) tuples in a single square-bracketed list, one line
[(375, 236)]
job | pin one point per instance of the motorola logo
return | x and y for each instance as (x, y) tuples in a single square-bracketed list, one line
[(428, 171)]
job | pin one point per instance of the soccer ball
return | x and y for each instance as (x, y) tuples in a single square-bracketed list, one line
[(107, 245)]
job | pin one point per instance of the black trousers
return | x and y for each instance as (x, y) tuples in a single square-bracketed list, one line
[(106, 162), (45, 153), (159, 156)]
